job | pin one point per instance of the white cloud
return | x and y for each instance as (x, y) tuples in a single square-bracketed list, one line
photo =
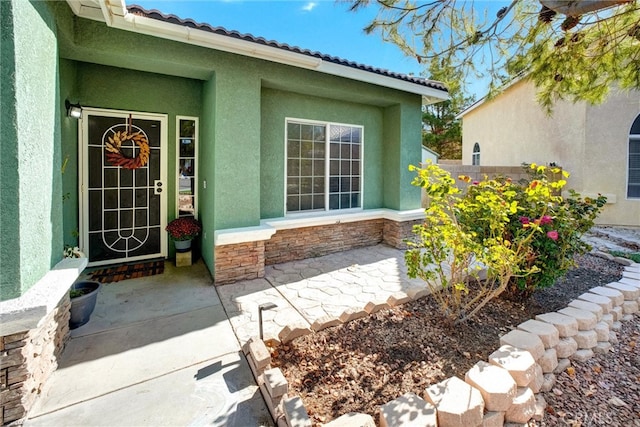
[(309, 6)]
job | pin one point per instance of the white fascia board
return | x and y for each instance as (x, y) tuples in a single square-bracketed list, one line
[(268, 227), (382, 80), (115, 14), (166, 30)]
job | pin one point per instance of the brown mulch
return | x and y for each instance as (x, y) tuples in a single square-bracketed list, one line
[(358, 366)]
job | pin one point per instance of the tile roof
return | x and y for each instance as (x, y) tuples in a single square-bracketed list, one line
[(173, 19)]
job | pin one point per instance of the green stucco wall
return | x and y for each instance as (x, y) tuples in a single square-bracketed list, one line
[(242, 104), (31, 236), (278, 105), (121, 89)]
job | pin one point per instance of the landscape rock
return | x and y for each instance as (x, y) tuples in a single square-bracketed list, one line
[(567, 326), (604, 302), (566, 347), (519, 363), (524, 341), (497, 387), (408, 409), (586, 320), (457, 403), (545, 331), (523, 407)]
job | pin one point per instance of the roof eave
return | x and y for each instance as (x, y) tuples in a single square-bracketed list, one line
[(115, 14)]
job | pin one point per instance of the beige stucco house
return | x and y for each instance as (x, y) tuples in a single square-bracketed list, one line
[(599, 145)]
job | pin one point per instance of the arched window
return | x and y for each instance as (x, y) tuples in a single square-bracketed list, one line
[(475, 157), (633, 173)]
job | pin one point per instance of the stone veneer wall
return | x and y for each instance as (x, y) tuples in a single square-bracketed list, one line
[(28, 358), (242, 261), (239, 262), (309, 242), (395, 232)]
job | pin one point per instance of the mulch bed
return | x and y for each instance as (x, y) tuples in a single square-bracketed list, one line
[(128, 271), (358, 366)]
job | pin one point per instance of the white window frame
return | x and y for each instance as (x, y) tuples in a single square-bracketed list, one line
[(326, 209), (195, 162), (632, 137), (475, 155)]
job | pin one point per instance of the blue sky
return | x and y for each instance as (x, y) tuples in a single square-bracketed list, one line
[(321, 25)]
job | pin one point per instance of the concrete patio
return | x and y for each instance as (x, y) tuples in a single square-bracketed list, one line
[(309, 289), (165, 349), (157, 351)]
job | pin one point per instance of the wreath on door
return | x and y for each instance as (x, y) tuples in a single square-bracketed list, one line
[(116, 157)]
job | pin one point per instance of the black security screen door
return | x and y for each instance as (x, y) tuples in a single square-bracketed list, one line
[(122, 186)]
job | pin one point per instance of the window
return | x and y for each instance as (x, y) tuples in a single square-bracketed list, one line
[(324, 166), (633, 174), (475, 157), (186, 174)]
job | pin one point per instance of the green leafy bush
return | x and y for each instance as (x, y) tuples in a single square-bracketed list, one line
[(497, 236)]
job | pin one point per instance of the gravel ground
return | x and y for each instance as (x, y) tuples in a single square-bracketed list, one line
[(367, 362)]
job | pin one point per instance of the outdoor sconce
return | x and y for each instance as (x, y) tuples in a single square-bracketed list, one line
[(261, 308), (73, 110)]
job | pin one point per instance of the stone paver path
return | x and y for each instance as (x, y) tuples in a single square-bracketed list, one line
[(307, 290)]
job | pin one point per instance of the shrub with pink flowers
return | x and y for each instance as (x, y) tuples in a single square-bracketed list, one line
[(524, 235), (185, 228), (560, 222)]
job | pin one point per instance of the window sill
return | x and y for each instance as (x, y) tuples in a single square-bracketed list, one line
[(268, 227)]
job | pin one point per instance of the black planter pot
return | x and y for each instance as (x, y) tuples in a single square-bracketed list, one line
[(82, 306)]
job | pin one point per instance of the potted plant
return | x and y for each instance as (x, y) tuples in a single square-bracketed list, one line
[(83, 294), (182, 231)]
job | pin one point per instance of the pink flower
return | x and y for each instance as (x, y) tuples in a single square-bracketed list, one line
[(553, 235), (546, 219), (524, 220), (475, 183)]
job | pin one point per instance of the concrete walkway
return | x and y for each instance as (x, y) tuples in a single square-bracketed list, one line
[(158, 351), (307, 290), (165, 350)]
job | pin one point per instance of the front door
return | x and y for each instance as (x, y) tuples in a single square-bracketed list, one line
[(122, 186)]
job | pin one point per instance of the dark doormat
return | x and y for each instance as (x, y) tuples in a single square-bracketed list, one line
[(128, 271)]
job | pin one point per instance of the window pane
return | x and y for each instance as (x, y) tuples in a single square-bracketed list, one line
[(345, 134), (355, 200), (187, 128), (306, 203), (307, 150), (335, 151), (318, 201), (318, 185), (334, 185), (187, 147), (293, 149), (306, 132), (355, 168), (293, 186), (345, 151), (335, 133), (345, 201), (292, 203), (334, 167), (306, 185), (355, 151), (318, 149), (345, 184), (306, 167), (355, 184), (345, 167), (318, 167), (293, 131), (293, 167), (356, 135), (334, 201), (319, 133)]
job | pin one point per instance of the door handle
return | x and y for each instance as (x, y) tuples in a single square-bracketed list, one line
[(157, 187)]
